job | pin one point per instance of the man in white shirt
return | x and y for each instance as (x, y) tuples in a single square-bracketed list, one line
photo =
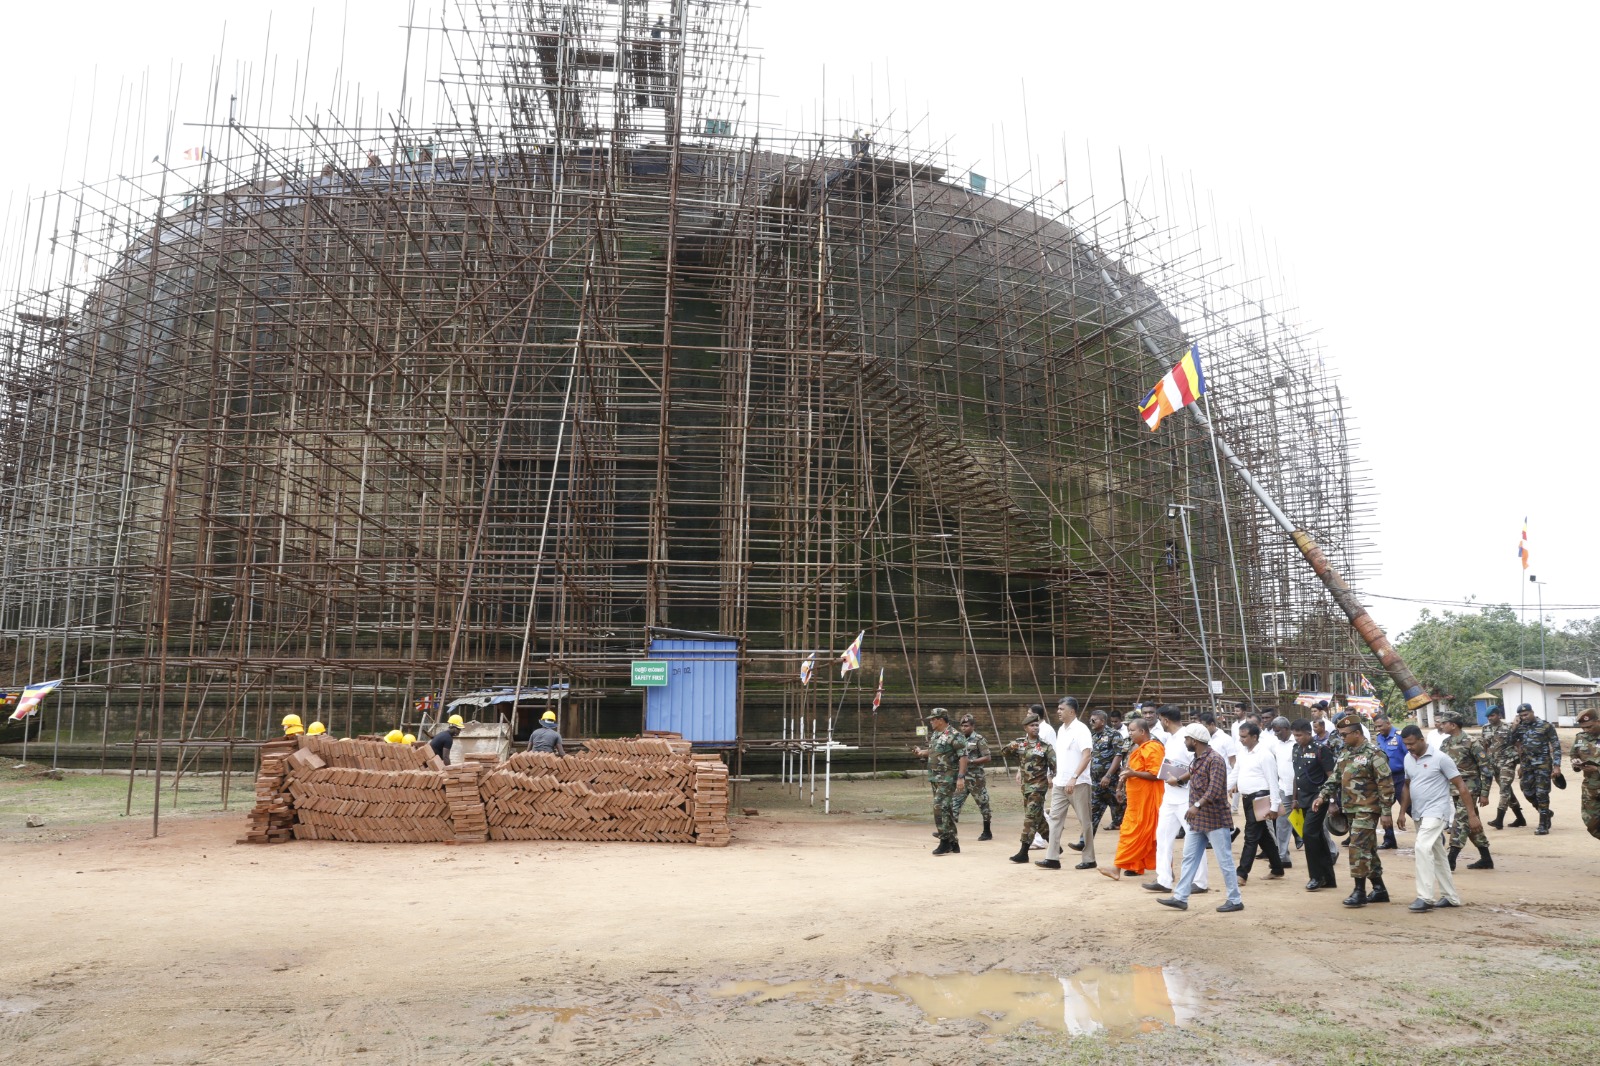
[(1224, 745), (1431, 776), (1071, 786), (1174, 803), (1282, 744), (1258, 780)]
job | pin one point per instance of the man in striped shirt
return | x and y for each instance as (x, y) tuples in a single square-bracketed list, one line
[(1210, 822)]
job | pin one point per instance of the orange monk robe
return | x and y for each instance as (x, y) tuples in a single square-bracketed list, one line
[(1136, 847)]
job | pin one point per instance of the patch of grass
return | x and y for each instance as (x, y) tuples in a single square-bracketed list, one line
[(81, 798)]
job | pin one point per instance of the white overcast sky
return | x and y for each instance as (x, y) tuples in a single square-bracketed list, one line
[(1421, 174)]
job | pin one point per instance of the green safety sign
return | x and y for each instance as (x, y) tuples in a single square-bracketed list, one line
[(649, 673)]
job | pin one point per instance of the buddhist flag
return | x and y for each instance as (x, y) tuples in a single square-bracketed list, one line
[(1183, 385), (851, 659), (1366, 686), (807, 668), (31, 697), (1522, 549), (877, 698)]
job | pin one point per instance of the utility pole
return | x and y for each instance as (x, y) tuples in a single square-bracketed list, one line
[(1181, 511)]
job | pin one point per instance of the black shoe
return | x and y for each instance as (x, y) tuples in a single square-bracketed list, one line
[(1114, 826), (1314, 885), (1345, 843), (955, 847), (1544, 824), (1454, 854), (1288, 865), (1420, 906), (943, 848), (1154, 886), (1086, 866), (1229, 908), (1181, 833), (1499, 821), (1047, 864), (1378, 895), (1485, 861), (1175, 904), (1233, 836), (1076, 847), (1198, 891), (986, 835), (1444, 902), (1021, 856), (1517, 820), (1389, 843), (1358, 898)]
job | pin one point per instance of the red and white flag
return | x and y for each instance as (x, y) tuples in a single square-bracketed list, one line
[(877, 697)]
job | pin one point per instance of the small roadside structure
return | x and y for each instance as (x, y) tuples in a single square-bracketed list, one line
[(1543, 689)]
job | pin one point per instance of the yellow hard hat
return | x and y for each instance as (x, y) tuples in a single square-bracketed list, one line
[(394, 736), (548, 716), (291, 719), (454, 719), (408, 739), (315, 728)]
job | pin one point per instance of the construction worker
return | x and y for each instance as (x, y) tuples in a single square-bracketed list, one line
[(292, 726), (546, 738), (408, 738), (316, 729), (394, 736), (445, 738)]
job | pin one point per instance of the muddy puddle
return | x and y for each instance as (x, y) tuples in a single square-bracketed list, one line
[(1095, 1000)]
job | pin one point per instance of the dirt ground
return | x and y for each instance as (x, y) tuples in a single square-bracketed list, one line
[(810, 940)]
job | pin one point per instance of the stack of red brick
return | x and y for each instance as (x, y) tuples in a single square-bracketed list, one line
[(711, 802), (272, 818)]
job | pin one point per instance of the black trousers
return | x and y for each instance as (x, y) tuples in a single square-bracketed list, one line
[(1319, 857), (1258, 834)]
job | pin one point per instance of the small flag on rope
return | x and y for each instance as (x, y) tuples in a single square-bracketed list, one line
[(425, 704), (31, 697), (1366, 686), (877, 698), (1183, 385), (194, 155), (1522, 549), (851, 659), (807, 668)]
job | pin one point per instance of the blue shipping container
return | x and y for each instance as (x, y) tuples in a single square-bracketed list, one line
[(700, 698)]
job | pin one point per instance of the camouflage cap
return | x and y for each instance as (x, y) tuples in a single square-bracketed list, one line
[(1032, 719), (938, 712), (967, 719), (1455, 717)]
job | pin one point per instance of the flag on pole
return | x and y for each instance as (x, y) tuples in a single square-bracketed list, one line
[(807, 668), (877, 698), (1366, 686), (194, 155), (31, 696), (1522, 549), (1183, 385), (851, 659)]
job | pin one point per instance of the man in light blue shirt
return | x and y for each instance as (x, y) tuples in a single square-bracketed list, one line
[(1430, 776)]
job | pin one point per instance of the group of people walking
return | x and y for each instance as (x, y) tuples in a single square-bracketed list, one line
[(1300, 786)]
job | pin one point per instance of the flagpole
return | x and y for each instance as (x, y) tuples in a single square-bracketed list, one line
[(827, 758), (1233, 561)]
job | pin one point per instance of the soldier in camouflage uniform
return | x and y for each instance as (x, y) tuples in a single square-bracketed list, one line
[(1362, 787), (1495, 739), (1038, 761), (1586, 761), (947, 774), (1470, 759), (1539, 749), (977, 782), (1119, 796)]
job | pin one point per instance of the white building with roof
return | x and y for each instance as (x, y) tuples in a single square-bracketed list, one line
[(1544, 689)]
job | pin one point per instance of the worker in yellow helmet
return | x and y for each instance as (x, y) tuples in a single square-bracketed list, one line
[(408, 738), (445, 738), (316, 729), (546, 737), (292, 726), (394, 736)]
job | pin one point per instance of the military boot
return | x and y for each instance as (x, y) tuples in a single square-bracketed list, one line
[(944, 847), (1389, 842), (1484, 861), (1380, 891), (1520, 820), (1454, 854), (1021, 856), (1499, 820), (1544, 824), (986, 835), (1358, 898)]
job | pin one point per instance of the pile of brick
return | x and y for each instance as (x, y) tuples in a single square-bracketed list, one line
[(271, 820), (461, 790), (711, 802), (369, 791)]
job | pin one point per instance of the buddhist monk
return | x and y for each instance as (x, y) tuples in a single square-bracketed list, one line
[(1136, 847)]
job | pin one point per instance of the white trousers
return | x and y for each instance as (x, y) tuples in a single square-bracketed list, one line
[(1077, 798), (1168, 822), (1434, 880)]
